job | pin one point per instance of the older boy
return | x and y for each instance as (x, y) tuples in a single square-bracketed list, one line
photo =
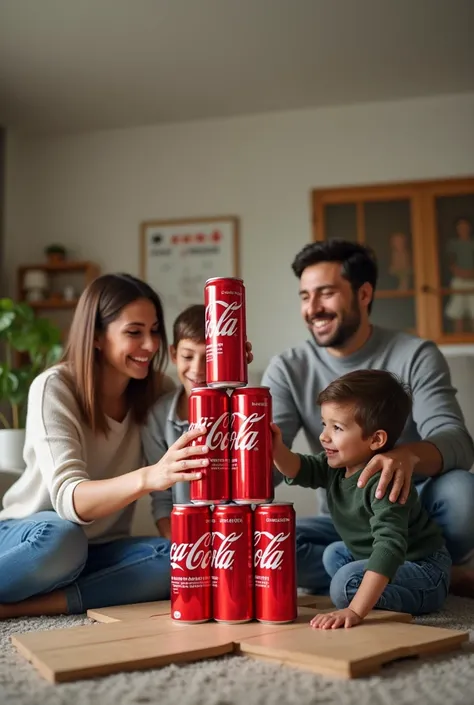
[(392, 556), (168, 419)]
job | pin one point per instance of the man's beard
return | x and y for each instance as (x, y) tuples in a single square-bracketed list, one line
[(347, 327)]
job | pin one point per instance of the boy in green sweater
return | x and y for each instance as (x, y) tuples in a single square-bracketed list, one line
[(392, 555)]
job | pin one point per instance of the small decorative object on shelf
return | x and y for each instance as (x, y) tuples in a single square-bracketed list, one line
[(63, 279), (56, 254), (69, 293), (36, 285)]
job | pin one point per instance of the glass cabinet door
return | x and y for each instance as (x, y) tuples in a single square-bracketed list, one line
[(385, 225), (454, 224)]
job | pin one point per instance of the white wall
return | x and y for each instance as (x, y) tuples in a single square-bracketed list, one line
[(91, 191)]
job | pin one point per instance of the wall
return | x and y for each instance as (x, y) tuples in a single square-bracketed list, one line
[(90, 191)]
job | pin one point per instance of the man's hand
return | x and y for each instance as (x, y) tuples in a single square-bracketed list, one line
[(334, 620), (397, 465)]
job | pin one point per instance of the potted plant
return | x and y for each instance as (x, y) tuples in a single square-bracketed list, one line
[(28, 345), (56, 254)]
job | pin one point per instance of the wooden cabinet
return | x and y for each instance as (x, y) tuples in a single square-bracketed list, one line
[(423, 236)]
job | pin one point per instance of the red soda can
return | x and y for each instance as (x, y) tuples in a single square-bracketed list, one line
[(226, 357), (211, 408), (190, 558), (232, 564), (251, 445), (275, 563)]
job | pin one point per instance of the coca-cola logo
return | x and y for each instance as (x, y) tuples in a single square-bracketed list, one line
[(217, 437), (223, 556), (246, 437), (191, 556), (223, 322), (271, 556)]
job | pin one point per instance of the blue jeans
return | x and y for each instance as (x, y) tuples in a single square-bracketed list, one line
[(448, 499), (418, 587), (44, 553)]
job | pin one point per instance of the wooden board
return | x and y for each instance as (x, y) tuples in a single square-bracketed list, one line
[(351, 653), (61, 664), (120, 613), (69, 654), (62, 655), (148, 610)]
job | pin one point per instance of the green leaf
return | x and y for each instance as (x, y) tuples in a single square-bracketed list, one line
[(23, 332), (6, 319)]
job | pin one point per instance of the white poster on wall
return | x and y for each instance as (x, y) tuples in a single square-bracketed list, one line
[(178, 256)]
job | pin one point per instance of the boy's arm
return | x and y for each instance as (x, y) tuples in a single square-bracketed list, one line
[(302, 470), (389, 527), (161, 507), (154, 448), (312, 471)]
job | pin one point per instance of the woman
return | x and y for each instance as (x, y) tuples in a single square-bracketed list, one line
[(65, 542)]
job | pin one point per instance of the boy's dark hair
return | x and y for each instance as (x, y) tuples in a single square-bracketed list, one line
[(381, 401), (358, 262), (190, 325)]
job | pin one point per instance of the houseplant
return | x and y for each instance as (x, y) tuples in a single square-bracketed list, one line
[(27, 346), (55, 253)]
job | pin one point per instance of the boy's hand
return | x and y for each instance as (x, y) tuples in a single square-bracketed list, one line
[(248, 352), (286, 462), (164, 527), (335, 620), (277, 438)]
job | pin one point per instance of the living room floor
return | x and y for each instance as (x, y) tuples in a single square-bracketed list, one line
[(444, 679)]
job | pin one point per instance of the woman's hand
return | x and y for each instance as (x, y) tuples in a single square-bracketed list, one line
[(180, 462)]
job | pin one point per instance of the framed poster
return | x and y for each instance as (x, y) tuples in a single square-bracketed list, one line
[(177, 256)]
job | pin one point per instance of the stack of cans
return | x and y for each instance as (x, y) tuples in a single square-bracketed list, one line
[(236, 562)]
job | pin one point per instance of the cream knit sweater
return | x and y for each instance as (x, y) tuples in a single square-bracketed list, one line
[(61, 451)]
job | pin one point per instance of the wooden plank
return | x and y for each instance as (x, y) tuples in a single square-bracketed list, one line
[(69, 654), (350, 653), (148, 610), (92, 634), (89, 661), (120, 613)]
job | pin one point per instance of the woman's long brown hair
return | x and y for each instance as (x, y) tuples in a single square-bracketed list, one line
[(99, 305)]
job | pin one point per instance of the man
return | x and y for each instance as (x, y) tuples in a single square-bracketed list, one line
[(337, 284)]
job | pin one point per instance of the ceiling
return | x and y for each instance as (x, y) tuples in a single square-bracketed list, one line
[(73, 65)]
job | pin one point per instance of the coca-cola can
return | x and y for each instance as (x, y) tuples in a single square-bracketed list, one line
[(211, 408), (232, 564), (225, 329), (190, 557), (251, 446), (275, 563)]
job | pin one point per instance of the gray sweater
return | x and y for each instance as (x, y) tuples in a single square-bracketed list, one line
[(298, 375), (163, 428)]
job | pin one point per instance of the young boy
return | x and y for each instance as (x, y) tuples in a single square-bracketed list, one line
[(168, 419), (392, 556)]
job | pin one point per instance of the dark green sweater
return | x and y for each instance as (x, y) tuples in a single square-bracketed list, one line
[(383, 532)]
